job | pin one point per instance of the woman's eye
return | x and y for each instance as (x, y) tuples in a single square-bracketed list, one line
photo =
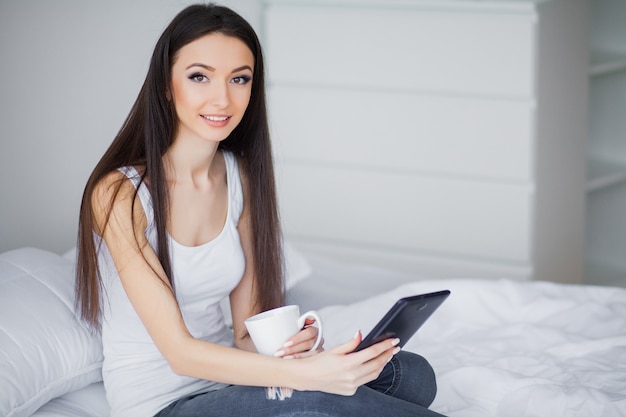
[(199, 78), (242, 80)]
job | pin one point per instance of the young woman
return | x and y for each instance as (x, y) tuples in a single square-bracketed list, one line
[(179, 213)]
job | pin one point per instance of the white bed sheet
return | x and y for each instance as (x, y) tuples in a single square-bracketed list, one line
[(513, 349), (499, 348)]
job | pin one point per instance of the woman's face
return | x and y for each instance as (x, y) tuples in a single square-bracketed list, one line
[(211, 85)]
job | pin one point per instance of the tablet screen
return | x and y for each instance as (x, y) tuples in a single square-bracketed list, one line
[(404, 319)]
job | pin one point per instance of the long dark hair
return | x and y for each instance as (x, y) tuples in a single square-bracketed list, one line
[(147, 134)]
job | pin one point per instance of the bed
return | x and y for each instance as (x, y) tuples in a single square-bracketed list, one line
[(499, 347)]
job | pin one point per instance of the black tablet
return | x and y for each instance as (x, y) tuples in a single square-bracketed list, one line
[(404, 318)]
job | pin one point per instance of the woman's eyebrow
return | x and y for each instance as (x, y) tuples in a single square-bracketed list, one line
[(243, 67), (206, 67), (210, 68)]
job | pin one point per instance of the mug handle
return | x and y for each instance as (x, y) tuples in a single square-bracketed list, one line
[(318, 321)]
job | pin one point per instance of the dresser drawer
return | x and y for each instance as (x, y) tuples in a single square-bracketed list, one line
[(421, 215), (427, 49), (407, 132)]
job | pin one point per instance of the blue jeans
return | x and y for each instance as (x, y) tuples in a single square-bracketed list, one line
[(405, 387)]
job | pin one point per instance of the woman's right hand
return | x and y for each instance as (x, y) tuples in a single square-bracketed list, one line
[(341, 371)]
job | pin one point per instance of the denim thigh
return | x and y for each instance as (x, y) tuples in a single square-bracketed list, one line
[(406, 387), (407, 376)]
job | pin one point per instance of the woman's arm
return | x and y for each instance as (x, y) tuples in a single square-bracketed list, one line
[(243, 297), (242, 304), (144, 281)]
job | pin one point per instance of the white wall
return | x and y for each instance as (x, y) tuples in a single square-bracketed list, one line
[(69, 73)]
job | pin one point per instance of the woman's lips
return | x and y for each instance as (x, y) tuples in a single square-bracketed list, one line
[(216, 120)]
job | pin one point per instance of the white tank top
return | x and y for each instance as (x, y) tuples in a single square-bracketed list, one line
[(137, 378)]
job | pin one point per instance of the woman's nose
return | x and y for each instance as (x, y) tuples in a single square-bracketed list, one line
[(220, 95)]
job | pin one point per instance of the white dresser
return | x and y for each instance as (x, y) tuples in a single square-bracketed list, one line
[(445, 138)]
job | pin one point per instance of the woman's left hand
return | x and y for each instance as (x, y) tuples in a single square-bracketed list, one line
[(299, 345)]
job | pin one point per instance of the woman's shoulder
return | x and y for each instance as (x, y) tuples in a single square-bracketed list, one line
[(118, 183), (115, 192)]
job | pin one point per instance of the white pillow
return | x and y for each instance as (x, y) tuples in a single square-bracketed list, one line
[(46, 352), (297, 267)]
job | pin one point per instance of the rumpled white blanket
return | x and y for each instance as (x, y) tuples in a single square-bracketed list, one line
[(512, 349)]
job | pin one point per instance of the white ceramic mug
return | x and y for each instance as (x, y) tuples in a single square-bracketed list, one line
[(271, 329)]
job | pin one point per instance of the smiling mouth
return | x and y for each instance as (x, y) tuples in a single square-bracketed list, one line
[(216, 118)]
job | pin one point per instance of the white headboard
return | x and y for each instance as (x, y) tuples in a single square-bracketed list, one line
[(408, 134)]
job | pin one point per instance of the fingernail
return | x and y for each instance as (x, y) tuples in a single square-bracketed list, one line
[(395, 341), (358, 332), (279, 353), (396, 350), (289, 357), (287, 344)]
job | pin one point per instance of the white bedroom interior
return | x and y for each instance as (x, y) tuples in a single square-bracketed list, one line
[(486, 139), (471, 145)]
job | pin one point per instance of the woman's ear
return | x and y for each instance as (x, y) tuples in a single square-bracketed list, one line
[(168, 96)]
